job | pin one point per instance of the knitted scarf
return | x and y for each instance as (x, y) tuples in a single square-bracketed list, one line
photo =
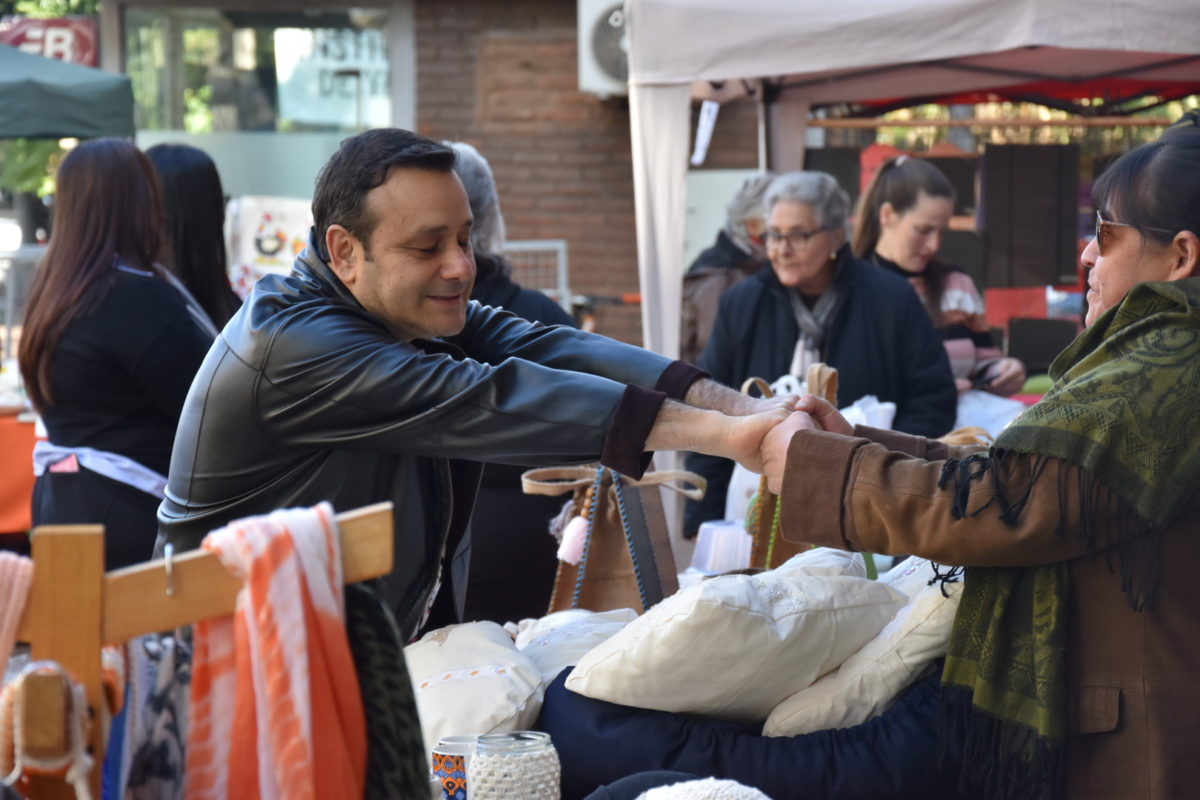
[(1123, 409)]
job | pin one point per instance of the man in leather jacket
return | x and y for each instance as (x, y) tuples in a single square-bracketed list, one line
[(368, 375)]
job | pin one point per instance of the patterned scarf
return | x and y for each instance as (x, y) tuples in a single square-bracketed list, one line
[(1123, 409), (814, 325)]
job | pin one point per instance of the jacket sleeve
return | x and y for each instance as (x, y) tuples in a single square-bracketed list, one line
[(930, 398), (346, 382), (492, 335), (718, 361), (853, 494)]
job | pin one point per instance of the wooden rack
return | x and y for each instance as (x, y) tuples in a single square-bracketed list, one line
[(75, 608)]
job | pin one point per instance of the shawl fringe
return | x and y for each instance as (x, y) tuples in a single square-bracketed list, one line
[(999, 759)]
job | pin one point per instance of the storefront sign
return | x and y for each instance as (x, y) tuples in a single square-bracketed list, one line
[(65, 38), (333, 76)]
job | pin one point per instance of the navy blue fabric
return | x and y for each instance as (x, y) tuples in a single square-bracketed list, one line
[(894, 756), (881, 342)]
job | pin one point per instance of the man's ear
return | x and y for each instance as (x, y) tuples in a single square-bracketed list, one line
[(345, 254), (1185, 256)]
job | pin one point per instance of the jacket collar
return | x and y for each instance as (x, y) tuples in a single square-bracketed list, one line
[(311, 266)]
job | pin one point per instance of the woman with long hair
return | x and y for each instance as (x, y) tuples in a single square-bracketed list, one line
[(194, 203), (108, 350), (901, 220)]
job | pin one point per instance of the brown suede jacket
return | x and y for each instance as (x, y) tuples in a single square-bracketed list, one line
[(1133, 677)]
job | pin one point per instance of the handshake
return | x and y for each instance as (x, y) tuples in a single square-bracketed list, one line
[(759, 441), (755, 433)]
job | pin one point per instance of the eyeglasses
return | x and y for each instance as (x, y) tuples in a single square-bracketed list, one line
[(1103, 236), (795, 239)]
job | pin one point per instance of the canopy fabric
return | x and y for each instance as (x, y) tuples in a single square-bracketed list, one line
[(43, 98), (868, 51)]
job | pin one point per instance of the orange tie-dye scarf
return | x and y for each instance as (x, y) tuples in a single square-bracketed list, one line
[(276, 710)]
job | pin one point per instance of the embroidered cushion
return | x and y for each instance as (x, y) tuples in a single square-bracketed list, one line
[(868, 681), (552, 647), (471, 679), (734, 646)]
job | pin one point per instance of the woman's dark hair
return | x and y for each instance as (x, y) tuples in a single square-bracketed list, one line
[(901, 182), (1155, 187), (194, 203), (361, 164), (107, 205)]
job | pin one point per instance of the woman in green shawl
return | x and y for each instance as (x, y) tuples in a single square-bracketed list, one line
[(1074, 662)]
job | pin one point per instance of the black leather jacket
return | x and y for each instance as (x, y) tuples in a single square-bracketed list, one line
[(306, 397)]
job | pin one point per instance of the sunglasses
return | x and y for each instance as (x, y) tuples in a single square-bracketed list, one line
[(1104, 231)]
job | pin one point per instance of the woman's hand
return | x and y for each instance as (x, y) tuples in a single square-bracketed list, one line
[(775, 447), (826, 416), (1007, 377)]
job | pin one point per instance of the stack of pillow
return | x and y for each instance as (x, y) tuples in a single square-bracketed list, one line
[(808, 646)]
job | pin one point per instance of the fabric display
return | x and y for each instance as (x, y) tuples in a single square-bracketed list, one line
[(276, 708), (156, 719), (895, 756), (555, 642), (470, 678), (869, 680), (396, 750), (735, 646)]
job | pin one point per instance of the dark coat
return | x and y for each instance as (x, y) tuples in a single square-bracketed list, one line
[(881, 343), (306, 396)]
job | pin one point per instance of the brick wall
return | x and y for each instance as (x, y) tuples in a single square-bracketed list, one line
[(503, 76)]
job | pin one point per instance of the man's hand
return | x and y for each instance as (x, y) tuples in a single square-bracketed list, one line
[(775, 447), (825, 415), (746, 435), (707, 393)]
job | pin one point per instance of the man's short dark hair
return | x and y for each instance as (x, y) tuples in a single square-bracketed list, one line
[(362, 163)]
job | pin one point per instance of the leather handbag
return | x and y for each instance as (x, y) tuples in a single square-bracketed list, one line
[(627, 559)]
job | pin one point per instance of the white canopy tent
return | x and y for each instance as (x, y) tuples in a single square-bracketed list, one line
[(860, 51)]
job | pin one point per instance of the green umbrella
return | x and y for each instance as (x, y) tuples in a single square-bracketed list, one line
[(46, 98)]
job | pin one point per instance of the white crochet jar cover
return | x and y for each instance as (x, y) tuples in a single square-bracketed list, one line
[(520, 764)]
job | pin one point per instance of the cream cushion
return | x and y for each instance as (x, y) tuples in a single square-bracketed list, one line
[(868, 681), (912, 575), (824, 561), (471, 679), (736, 645), (554, 647)]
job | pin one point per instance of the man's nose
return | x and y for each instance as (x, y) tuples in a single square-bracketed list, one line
[(459, 267)]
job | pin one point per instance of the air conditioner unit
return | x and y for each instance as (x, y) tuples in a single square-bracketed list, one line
[(603, 62)]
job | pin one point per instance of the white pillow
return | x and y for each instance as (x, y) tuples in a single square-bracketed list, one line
[(471, 679), (868, 681), (557, 646), (912, 575), (824, 561), (736, 645)]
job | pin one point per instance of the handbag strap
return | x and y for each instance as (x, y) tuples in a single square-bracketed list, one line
[(560, 480)]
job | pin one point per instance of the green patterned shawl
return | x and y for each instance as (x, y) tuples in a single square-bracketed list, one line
[(1125, 407)]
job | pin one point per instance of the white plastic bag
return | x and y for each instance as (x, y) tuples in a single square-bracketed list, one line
[(986, 410)]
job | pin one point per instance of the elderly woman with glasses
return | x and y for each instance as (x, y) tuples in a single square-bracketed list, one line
[(820, 303), (1074, 652)]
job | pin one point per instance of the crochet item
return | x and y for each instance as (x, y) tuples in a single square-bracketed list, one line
[(707, 789), (73, 763)]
